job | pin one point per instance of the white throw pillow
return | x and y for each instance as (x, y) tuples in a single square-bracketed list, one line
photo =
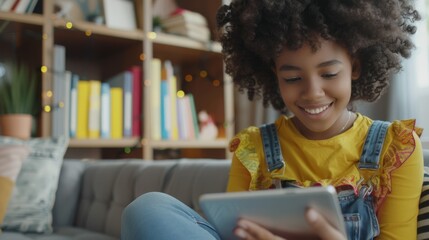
[(30, 207)]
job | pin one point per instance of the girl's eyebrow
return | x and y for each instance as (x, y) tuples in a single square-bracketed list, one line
[(286, 67)]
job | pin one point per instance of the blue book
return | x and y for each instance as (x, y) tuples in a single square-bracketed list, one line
[(164, 110)]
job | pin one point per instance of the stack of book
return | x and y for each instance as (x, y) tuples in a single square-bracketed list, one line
[(187, 23)]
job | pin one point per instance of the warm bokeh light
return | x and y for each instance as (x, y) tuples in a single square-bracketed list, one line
[(49, 94), (188, 78), (69, 25), (61, 104), (180, 94), (47, 108), (203, 73), (44, 69), (88, 33), (142, 56), (216, 83), (151, 35)]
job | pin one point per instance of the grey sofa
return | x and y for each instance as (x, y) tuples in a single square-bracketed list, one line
[(92, 195)]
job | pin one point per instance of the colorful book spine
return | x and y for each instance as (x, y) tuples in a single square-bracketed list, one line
[(155, 91), (82, 109), (73, 105), (136, 72), (124, 81), (105, 111), (194, 117), (94, 109), (165, 111), (116, 112)]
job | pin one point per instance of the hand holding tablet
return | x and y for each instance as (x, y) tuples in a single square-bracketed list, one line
[(281, 211)]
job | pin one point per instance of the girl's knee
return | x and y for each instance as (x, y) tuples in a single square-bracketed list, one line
[(146, 203)]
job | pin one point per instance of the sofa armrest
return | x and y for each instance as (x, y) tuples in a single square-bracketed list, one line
[(67, 196)]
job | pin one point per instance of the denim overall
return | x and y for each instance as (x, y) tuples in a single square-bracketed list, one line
[(358, 210)]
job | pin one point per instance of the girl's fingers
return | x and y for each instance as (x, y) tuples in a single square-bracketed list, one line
[(252, 231), (322, 227)]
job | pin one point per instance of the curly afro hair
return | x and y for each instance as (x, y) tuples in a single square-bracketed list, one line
[(377, 32)]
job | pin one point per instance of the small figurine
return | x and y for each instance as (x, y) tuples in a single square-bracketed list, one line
[(208, 129)]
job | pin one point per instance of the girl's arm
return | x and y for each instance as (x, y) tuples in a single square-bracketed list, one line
[(398, 213)]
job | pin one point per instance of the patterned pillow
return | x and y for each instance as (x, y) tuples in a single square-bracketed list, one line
[(11, 157), (30, 207), (423, 218)]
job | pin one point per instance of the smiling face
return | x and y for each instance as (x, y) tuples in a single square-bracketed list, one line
[(316, 87)]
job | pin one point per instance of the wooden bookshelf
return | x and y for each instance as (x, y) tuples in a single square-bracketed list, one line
[(97, 51)]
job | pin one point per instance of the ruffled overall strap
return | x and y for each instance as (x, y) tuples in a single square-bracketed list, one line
[(370, 157)]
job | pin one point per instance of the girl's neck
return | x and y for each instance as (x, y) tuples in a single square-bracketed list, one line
[(345, 122)]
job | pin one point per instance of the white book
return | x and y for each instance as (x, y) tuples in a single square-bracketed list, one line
[(22, 6), (73, 105), (105, 111), (7, 5), (120, 14), (66, 99)]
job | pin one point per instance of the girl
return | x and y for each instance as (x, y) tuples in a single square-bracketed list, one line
[(311, 59)]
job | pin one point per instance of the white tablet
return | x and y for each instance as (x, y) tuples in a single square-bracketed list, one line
[(282, 211)]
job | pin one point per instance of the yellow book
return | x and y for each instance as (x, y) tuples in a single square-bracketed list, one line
[(94, 109), (173, 108), (116, 112), (82, 109), (155, 91)]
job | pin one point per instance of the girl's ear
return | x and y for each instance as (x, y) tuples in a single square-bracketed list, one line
[(356, 69)]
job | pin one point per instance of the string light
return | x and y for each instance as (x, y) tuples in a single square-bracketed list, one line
[(203, 73), (151, 35), (216, 83), (69, 25), (188, 78), (180, 94), (47, 108), (49, 94), (44, 69), (88, 33)]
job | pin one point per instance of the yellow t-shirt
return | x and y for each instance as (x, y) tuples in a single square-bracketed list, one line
[(334, 161)]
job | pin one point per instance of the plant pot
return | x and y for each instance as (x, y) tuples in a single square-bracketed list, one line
[(16, 125)]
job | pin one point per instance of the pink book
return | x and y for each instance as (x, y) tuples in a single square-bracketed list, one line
[(136, 72)]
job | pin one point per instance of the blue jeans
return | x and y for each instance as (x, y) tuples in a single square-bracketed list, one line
[(159, 216)]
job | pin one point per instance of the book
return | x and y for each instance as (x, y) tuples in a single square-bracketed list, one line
[(105, 111), (94, 109), (172, 98), (67, 105), (58, 87), (200, 33), (7, 5), (165, 111), (182, 16), (120, 14), (182, 119), (136, 72), (194, 117), (73, 105), (31, 6), (124, 80), (116, 107), (155, 98), (21, 7), (82, 109)]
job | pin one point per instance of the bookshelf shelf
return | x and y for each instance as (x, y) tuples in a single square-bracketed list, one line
[(104, 143), (33, 19), (92, 28), (217, 143)]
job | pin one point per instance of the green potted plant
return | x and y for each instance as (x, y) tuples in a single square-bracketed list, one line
[(18, 103)]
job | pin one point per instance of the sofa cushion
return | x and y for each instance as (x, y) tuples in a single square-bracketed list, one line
[(33, 196), (11, 157)]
